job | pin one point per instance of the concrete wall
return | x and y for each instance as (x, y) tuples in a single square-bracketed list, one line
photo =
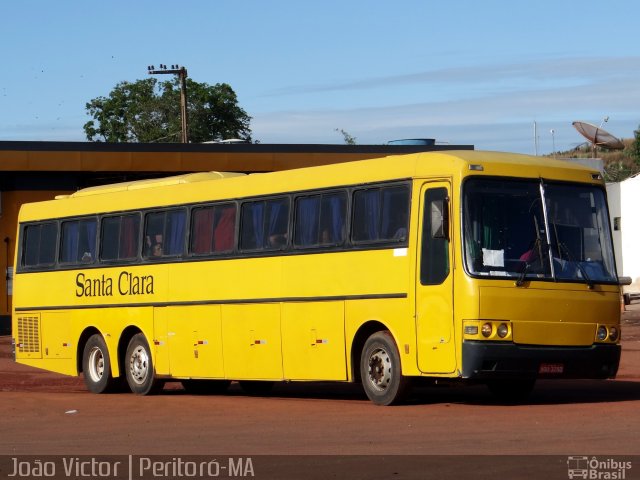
[(624, 201), (615, 212)]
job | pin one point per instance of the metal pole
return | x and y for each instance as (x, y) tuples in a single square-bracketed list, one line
[(182, 75), (183, 105)]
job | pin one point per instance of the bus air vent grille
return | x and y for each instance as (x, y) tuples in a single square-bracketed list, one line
[(28, 334)]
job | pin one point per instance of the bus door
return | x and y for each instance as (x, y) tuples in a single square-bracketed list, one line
[(434, 282)]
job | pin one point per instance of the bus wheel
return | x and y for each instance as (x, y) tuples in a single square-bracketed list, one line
[(256, 387), (512, 391), (204, 387), (381, 372), (139, 367), (96, 365)]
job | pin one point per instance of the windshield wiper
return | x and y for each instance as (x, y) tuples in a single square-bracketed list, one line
[(563, 247), (535, 249), (523, 274)]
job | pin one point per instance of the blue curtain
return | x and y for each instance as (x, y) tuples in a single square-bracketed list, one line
[(307, 221), (70, 251), (257, 216), (275, 208), (372, 214), (174, 246), (387, 220), (336, 209), (91, 228)]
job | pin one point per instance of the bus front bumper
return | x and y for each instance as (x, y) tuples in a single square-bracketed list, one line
[(497, 360)]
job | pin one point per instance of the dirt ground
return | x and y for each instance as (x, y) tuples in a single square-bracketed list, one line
[(45, 413)]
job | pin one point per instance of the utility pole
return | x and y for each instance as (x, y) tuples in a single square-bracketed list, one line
[(182, 75)]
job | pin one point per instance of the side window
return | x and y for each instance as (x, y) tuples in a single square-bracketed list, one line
[(78, 243), (213, 229), (264, 224), (164, 233), (39, 247), (320, 220), (434, 263), (380, 214), (119, 238)]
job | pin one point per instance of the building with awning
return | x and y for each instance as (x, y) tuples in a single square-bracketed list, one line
[(35, 171)]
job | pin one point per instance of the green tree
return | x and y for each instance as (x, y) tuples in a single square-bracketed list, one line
[(149, 111), (348, 139), (635, 147)]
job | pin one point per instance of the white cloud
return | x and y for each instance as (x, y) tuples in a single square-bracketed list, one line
[(563, 91)]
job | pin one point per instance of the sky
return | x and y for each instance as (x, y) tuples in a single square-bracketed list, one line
[(460, 71)]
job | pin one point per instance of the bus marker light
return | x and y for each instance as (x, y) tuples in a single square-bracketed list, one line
[(476, 168), (471, 330), (487, 329), (503, 330), (602, 333)]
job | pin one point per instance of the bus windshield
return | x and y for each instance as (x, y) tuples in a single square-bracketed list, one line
[(532, 229)]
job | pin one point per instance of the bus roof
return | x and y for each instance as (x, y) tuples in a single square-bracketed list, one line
[(211, 186)]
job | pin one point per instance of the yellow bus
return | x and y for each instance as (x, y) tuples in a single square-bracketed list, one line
[(468, 266)]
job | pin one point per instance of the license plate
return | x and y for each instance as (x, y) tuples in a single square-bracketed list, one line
[(551, 368)]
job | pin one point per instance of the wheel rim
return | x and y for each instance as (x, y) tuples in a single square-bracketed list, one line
[(139, 364), (379, 371), (96, 364)]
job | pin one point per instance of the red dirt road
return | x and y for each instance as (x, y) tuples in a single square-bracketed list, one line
[(44, 413)]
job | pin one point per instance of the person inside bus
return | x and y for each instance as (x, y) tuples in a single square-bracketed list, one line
[(278, 240), (156, 250), (154, 246)]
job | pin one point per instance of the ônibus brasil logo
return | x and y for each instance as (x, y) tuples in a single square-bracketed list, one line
[(596, 468)]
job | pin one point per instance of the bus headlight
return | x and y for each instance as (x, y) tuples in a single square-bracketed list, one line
[(486, 330), (614, 333), (601, 334), (503, 330)]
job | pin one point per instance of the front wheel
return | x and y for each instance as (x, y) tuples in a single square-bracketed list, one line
[(139, 367), (381, 371), (96, 366)]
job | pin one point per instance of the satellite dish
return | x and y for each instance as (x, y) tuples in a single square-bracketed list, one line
[(598, 137)]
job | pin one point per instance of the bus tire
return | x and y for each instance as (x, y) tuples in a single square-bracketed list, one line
[(205, 387), (138, 366), (512, 391), (258, 388), (381, 370), (96, 365)]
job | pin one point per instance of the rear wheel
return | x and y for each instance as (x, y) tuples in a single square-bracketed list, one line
[(139, 367), (381, 371), (205, 387), (96, 366)]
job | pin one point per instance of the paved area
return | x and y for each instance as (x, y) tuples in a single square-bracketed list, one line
[(45, 413)]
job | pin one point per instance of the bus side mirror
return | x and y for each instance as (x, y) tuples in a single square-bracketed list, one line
[(624, 280), (440, 219)]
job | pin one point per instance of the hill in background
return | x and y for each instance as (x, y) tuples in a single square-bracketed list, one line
[(618, 164)]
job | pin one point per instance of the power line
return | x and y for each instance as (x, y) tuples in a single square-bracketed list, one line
[(182, 75)]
